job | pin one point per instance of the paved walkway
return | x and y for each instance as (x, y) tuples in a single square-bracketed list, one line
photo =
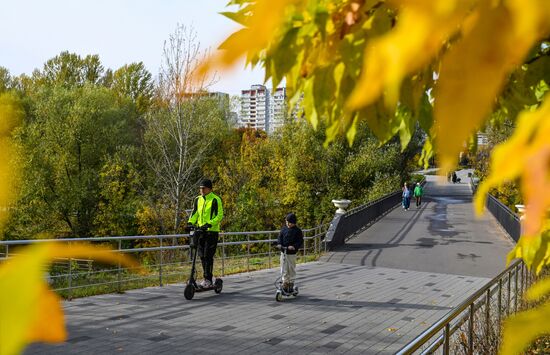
[(443, 235), (389, 284)]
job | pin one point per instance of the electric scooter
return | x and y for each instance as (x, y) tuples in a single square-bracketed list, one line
[(281, 291), (195, 233)]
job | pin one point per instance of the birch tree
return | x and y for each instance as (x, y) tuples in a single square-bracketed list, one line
[(181, 128)]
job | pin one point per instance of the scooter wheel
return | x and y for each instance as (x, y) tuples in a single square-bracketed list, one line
[(189, 292), (218, 285), (278, 296)]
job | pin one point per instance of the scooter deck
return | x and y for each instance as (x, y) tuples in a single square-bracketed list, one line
[(202, 289)]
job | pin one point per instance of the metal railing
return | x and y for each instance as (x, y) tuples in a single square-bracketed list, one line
[(473, 327), (345, 226), (505, 217), (165, 259)]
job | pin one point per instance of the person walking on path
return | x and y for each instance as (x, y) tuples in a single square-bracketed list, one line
[(403, 195), (418, 192), (207, 213), (406, 197), (292, 238)]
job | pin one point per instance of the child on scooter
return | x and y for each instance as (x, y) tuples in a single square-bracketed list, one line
[(292, 238)]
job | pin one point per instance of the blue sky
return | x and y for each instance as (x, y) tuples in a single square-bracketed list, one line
[(119, 31)]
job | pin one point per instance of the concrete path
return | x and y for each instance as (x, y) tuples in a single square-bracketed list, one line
[(373, 296), (442, 235), (341, 309)]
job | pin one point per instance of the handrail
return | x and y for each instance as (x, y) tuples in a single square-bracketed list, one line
[(429, 333), (508, 220), (345, 226), (130, 237), (504, 207)]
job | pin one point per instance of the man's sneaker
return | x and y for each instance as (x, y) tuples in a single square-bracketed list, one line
[(206, 283)]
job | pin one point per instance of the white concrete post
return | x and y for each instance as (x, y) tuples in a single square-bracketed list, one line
[(342, 205)]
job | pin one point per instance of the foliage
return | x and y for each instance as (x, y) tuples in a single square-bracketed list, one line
[(135, 82), (119, 187), (67, 139), (6, 80), (69, 70)]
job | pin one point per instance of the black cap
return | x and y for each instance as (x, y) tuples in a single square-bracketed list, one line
[(206, 183), (291, 218)]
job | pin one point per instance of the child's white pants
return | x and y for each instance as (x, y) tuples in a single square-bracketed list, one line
[(288, 267)]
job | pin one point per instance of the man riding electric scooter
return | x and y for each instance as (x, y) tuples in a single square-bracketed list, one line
[(206, 217)]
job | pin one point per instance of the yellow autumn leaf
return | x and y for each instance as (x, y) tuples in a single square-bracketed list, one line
[(30, 311), (522, 328), (533, 250), (11, 115), (422, 29), (538, 290), (475, 69), (259, 29), (525, 155), (51, 313)]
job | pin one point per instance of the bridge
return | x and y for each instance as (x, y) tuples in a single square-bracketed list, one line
[(377, 292)]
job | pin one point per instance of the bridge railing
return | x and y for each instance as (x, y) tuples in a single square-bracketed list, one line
[(474, 327), (165, 259), (345, 226), (504, 216)]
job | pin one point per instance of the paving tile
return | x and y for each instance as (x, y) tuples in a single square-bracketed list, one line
[(159, 337), (333, 329)]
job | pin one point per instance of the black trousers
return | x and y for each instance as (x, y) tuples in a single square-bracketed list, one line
[(207, 249)]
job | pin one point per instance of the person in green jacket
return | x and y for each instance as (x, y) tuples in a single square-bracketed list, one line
[(418, 192), (208, 213)]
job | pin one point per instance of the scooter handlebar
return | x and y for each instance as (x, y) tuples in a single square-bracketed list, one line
[(195, 228)]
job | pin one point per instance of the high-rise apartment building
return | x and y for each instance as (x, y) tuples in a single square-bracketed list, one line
[(255, 108), (277, 109), (263, 109)]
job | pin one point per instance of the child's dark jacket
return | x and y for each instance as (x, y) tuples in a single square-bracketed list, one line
[(291, 236)]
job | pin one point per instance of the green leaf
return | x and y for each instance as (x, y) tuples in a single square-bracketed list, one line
[(321, 17), (284, 57), (323, 89), (384, 124), (352, 131), (425, 113), (238, 17), (407, 127), (339, 71)]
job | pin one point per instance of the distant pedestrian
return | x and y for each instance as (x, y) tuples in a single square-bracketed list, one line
[(418, 192), (403, 195), (406, 197)]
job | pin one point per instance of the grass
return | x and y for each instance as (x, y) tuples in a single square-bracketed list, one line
[(88, 280)]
